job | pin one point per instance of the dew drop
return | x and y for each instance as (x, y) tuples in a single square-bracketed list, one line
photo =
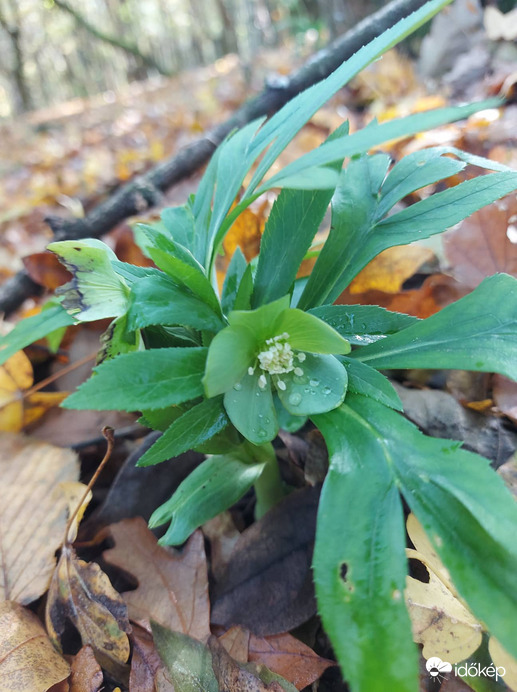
[(237, 387), (267, 421), (307, 390), (294, 399), (314, 383), (262, 432), (260, 415), (326, 390), (257, 393)]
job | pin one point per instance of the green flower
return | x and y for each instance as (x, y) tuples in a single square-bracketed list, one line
[(275, 348)]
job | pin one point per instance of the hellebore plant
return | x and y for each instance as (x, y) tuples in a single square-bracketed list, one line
[(221, 373)]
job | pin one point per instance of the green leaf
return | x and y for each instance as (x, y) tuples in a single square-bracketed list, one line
[(160, 419), (308, 333), (465, 508), (442, 210), (363, 379), (243, 297), (353, 210), (321, 388), (478, 332), (232, 280), (118, 339), (188, 661), (33, 328), (192, 429), (143, 380), (236, 159), (291, 226), (179, 222), (283, 126), (96, 291), (212, 487), (250, 408), (363, 324), (377, 133), (157, 300), (231, 353), (413, 172), (359, 560), (315, 178)]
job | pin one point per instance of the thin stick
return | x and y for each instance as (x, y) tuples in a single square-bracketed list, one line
[(57, 375), (108, 433)]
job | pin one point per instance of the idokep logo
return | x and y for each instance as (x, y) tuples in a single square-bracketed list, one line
[(437, 668)]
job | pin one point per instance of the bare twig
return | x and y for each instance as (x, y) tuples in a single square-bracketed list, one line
[(145, 191)]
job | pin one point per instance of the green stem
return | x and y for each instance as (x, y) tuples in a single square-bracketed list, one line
[(269, 487)]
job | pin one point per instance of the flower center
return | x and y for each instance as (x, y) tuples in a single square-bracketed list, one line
[(278, 357)]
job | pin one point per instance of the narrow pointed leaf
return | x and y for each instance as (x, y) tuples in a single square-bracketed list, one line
[(363, 324), (143, 380), (215, 485), (363, 379), (478, 332), (192, 429), (33, 328), (359, 559), (469, 515)]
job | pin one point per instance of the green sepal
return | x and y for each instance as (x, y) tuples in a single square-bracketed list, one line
[(251, 409), (96, 291), (321, 388)]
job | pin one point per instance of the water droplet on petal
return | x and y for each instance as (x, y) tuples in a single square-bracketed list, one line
[(295, 399), (237, 387), (262, 433), (314, 383), (326, 390)]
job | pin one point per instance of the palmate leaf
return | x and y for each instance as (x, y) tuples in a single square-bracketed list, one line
[(468, 514), (236, 156), (143, 380), (477, 332), (357, 235)]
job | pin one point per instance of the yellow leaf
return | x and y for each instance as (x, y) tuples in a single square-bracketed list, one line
[(501, 657), (245, 232), (425, 551), (28, 661), (33, 514), (16, 409), (81, 592), (390, 269), (439, 621)]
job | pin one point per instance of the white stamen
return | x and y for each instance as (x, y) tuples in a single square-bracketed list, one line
[(298, 372), (301, 357), (251, 370), (262, 382), (281, 385)]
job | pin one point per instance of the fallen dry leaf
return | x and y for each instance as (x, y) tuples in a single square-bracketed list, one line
[(267, 586), (148, 673), (82, 593), (85, 674), (172, 586), (17, 409), (504, 392), (439, 620), (288, 657), (281, 653), (232, 676), (390, 269), (501, 657), (28, 661), (45, 269), (508, 472), (33, 514), (484, 244)]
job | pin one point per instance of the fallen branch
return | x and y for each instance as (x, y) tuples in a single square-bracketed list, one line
[(145, 191)]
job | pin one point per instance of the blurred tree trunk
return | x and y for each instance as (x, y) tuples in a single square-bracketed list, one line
[(12, 27)]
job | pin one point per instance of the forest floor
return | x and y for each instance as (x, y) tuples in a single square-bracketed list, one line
[(65, 161)]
